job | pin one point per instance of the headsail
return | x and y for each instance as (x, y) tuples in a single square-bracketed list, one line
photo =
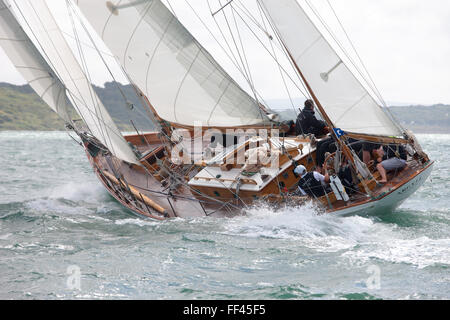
[(347, 103), (29, 62), (79, 90), (181, 79)]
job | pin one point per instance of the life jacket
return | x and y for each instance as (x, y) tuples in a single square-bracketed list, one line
[(311, 186)]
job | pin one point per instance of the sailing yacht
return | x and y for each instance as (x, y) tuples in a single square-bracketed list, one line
[(217, 148)]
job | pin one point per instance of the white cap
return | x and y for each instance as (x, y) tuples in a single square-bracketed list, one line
[(300, 171)]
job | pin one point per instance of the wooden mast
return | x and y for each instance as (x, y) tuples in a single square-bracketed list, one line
[(345, 149), (327, 119)]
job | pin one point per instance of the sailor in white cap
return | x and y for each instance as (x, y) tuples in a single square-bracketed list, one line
[(312, 183)]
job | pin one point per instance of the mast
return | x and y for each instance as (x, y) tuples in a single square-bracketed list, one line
[(341, 93), (340, 139), (327, 119)]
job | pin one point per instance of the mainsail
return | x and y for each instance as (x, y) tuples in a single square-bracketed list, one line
[(183, 82), (345, 100), (31, 65), (69, 72)]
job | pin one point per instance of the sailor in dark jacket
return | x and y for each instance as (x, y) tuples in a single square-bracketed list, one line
[(307, 122), (313, 183)]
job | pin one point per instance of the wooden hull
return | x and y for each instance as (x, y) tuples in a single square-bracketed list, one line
[(388, 202), (141, 193)]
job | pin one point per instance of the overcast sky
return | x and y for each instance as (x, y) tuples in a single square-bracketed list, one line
[(405, 44)]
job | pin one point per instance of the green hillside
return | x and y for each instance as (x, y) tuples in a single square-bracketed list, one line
[(419, 119), (22, 109)]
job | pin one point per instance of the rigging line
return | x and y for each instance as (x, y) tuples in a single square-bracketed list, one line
[(279, 68), (238, 65), (228, 188), (95, 116), (230, 55), (246, 72), (148, 115), (115, 81), (247, 65), (252, 83), (182, 182), (235, 61), (265, 30), (171, 8), (95, 101), (105, 64), (334, 37), (165, 195), (48, 60), (86, 44), (305, 93), (274, 58), (247, 77), (285, 50), (290, 59), (246, 11), (62, 61), (53, 44), (99, 52), (356, 52)]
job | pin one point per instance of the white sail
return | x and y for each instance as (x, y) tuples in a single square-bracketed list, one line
[(29, 62), (181, 79), (57, 51), (345, 100)]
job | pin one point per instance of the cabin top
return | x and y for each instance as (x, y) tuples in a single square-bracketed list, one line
[(223, 172)]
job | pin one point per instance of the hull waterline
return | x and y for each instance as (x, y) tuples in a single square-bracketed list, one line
[(182, 207)]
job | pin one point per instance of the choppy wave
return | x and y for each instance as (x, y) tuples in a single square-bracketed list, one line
[(359, 239), (54, 216)]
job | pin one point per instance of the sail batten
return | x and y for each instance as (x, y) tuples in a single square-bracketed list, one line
[(345, 100), (181, 79), (64, 69)]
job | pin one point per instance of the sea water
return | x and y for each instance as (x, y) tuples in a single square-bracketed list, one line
[(63, 237)]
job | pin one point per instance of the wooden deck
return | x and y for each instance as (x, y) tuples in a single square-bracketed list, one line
[(146, 191)]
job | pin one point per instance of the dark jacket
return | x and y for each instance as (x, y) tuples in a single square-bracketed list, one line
[(311, 186), (307, 123)]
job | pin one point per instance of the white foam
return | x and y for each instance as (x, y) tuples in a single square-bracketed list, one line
[(137, 222), (359, 239), (421, 252), (52, 205), (302, 224), (90, 192)]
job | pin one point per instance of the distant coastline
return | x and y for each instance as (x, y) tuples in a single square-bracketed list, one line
[(22, 109)]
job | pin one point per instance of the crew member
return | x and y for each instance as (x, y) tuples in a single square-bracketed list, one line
[(307, 123), (312, 183)]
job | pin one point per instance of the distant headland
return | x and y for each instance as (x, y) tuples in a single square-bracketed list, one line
[(22, 109)]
